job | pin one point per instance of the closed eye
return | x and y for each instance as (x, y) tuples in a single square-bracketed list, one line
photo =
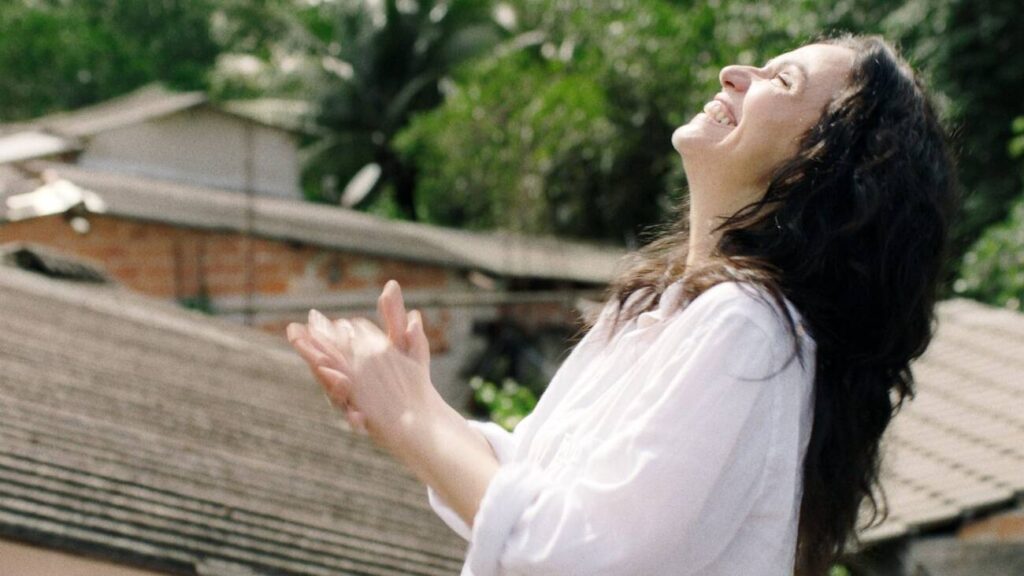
[(783, 79)]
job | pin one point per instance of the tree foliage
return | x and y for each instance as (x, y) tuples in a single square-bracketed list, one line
[(507, 404), (58, 54), (968, 51), (566, 129), (391, 56), (993, 268)]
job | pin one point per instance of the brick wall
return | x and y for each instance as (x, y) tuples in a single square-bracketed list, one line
[(166, 261), (1006, 526), (171, 262)]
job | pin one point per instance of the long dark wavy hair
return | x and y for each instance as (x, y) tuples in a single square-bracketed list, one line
[(854, 231)]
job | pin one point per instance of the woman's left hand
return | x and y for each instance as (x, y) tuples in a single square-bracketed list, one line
[(383, 380)]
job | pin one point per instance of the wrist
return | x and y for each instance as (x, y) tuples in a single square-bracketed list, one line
[(418, 431), (431, 439), (452, 458)]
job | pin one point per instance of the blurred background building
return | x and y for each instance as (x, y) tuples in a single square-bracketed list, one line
[(162, 191)]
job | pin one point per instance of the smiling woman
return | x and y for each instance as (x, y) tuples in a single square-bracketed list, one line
[(770, 109), (834, 191), (723, 414)]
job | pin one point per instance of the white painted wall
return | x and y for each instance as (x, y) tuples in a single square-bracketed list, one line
[(201, 146)]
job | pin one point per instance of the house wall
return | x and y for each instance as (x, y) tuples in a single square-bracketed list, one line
[(1007, 527), (175, 263), (202, 146), (32, 561)]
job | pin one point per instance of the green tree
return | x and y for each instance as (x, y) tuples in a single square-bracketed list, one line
[(566, 129), (390, 58), (57, 54), (993, 268), (62, 54), (489, 158), (967, 50)]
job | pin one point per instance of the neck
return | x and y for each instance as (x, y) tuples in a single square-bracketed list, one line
[(712, 199)]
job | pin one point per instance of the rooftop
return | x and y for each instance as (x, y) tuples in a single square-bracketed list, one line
[(138, 430), (956, 450), (140, 198)]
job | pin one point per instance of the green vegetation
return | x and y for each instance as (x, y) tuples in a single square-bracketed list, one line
[(839, 570), (199, 303), (565, 128), (57, 55), (507, 404), (389, 60), (993, 268)]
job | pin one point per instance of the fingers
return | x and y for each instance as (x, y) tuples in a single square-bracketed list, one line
[(323, 330), (365, 328), (392, 316), (338, 385), (310, 353), (343, 333), (339, 391), (326, 336), (294, 330), (320, 325), (419, 347), (314, 349), (357, 421)]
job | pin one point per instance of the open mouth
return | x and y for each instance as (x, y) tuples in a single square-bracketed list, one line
[(717, 112), (710, 120)]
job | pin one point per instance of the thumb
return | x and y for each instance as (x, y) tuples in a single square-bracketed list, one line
[(419, 347)]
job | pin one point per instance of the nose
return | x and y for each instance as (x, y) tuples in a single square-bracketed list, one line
[(736, 77)]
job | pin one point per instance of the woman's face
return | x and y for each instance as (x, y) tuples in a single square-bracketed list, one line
[(769, 109)]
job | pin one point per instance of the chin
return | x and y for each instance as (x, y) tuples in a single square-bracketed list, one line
[(694, 137), (683, 138)]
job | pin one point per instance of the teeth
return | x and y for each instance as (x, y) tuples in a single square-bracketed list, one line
[(716, 110)]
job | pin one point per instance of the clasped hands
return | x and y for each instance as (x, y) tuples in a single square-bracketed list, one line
[(381, 380)]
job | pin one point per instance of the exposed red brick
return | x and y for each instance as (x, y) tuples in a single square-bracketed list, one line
[(167, 262), (1007, 527)]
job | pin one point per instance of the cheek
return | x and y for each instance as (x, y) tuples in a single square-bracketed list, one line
[(778, 126), (772, 136), (784, 119)]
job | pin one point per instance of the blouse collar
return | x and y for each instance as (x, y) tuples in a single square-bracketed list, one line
[(670, 298)]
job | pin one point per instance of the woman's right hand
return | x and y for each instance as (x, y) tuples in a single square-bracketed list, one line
[(396, 322)]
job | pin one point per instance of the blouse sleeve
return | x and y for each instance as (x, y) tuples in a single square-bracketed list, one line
[(503, 444), (671, 488)]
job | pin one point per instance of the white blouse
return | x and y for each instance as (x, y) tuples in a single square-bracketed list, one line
[(660, 453)]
